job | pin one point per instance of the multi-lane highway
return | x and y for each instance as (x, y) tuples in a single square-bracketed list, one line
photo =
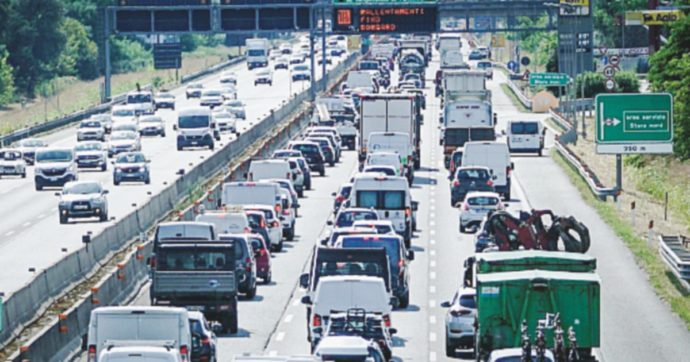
[(30, 234)]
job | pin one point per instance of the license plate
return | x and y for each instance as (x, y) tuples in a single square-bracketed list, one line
[(80, 207), (195, 307), (52, 178), (194, 142)]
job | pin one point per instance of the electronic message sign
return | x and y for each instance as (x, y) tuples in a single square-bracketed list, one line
[(386, 19)]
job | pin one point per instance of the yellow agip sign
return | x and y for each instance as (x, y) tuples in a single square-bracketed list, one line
[(652, 17), (575, 2)]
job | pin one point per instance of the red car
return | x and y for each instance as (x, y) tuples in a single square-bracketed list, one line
[(262, 255)]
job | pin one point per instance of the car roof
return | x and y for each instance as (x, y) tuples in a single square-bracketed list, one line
[(482, 194), (372, 222), (343, 344)]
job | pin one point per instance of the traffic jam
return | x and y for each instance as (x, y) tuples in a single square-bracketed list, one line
[(528, 292)]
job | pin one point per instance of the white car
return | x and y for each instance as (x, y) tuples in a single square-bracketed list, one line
[(229, 77), (263, 76), (462, 311), (300, 72), (285, 49), (28, 148), (194, 90), (235, 107), (82, 199), (348, 348), (90, 130), (12, 163), (476, 206), (515, 354), (123, 113), (211, 98), (281, 63), (228, 92), (151, 125), (225, 121), (123, 141), (163, 353), (381, 226), (275, 229), (231, 220), (92, 154)]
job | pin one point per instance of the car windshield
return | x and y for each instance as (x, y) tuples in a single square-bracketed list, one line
[(345, 191), (212, 93), (195, 86), (165, 95), (255, 220), (139, 98), (256, 52), (90, 124), (90, 146), (32, 143), (301, 68), (131, 158), (343, 358), (284, 154), (306, 148), (483, 201), (123, 112), (385, 170), (390, 244), (233, 103), (123, 135), (473, 174), (54, 156), (82, 189), (196, 121), (468, 301), (524, 128), (348, 218), (268, 214)]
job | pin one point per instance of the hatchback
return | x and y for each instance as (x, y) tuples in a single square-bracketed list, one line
[(462, 311), (262, 255), (476, 206), (468, 179), (245, 265)]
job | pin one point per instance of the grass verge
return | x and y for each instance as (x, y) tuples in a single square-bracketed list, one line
[(663, 281), (513, 98)]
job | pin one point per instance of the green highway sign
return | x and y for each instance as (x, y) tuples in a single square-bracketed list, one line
[(549, 79), (368, 2), (634, 123)]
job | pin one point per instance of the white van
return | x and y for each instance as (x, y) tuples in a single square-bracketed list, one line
[(340, 293), (386, 159), (248, 193), (393, 142), (496, 157), (229, 220), (389, 196), (110, 325), (185, 230), (525, 136), (266, 169), (164, 353)]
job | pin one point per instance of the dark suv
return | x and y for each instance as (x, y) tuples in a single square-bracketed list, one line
[(470, 178), (245, 264), (312, 153)]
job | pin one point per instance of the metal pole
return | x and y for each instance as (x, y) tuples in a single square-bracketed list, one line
[(313, 64), (619, 173), (106, 86), (323, 44)]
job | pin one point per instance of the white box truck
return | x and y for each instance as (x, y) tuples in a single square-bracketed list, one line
[(389, 113), (257, 50)]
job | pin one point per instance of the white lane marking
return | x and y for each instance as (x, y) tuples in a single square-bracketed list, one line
[(433, 201), (432, 264), (273, 353), (432, 275), (432, 303), (432, 356), (40, 216), (288, 318), (432, 319), (432, 289), (432, 337), (9, 233), (280, 336), (432, 208), (432, 188), (432, 252), (432, 222), (432, 232), (295, 302)]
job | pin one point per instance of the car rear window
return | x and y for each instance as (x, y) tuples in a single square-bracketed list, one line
[(390, 244), (306, 148), (381, 200), (482, 201), (345, 191), (190, 259), (468, 301), (348, 218), (473, 174), (524, 128)]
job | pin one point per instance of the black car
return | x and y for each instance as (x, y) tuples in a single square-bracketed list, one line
[(326, 150), (470, 178), (340, 196), (204, 341), (312, 153), (482, 239), (257, 223), (245, 269)]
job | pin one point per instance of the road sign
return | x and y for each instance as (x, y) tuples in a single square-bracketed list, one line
[(549, 79), (167, 56), (634, 123), (652, 17), (525, 61), (389, 19), (610, 85), (614, 59), (609, 71), (512, 65)]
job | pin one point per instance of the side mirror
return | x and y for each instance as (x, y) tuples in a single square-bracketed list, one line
[(415, 205), (105, 192), (148, 161), (512, 165), (394, 301), (58, 193), (392, 331), (175, 127), (410, 255), (333, 194), (493, 177), (503, 132), (543, 131), (217, 328), (329, 222), (306, 300), (304, 280), (445, 304)]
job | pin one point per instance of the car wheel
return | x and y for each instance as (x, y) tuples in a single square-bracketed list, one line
[(450, 349), (179, 148), (322, 172), (63, 219), (147, 180), (116, 182), (104, 167), (267, 279), (39, 187), (278, 248), (24, 174), (462, 229), (163, 134), (251, 293), (104, 217), (300, 192), (291, 233), (405, 300)]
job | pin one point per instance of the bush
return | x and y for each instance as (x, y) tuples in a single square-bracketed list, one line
[(595, 83), (128, 55), (627, 82), (6, 80)]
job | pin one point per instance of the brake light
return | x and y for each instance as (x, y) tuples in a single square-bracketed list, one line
[(263, 223), (206, 341), (408, 211), (247, 230), (92, 353), (456, 183), (248, 261), (452, 165), (288, 176), (184, 351), (275, 224), (465, 206), (262, 252), (286, 212), (277, 208), (387, 320), (490, 183), (340, 198), (152, 262), (316, 321)]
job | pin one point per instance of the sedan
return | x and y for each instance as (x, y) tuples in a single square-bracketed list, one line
[(28, 148), (225, 121), (123, 141), (296, 59), (91, 154), (300, 72), (12, 163), (205, 348), (462, 311), (90, 130), (476, 206), (194, 90), (235, 107), (164, 100), (340, 196), (83, 199), (152, 126), (263, 76), (211, 98), (229, 77), (131, 166)]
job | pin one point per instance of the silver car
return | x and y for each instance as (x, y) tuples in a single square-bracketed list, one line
[(131, 166), (12, 163), (151, 126), (123, 141), (28, 148), (91, 154), (90, 130), (235, 107), (462, 311), (83, 199)]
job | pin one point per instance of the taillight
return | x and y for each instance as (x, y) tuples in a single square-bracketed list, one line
[(316, 321), (275, 224), (206, 341), (340, 198), (263, 223), (152, 262), (456, 183), (288, 176), (452, 165), (465, 206), (286, 212), (248, 261), (408, 211), (247, 230), (183, 351), (508, 170), (262, 252), (277, 208), (92, 353), (387, 320)]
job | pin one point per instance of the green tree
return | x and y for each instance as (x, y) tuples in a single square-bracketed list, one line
[(33, 40), (80, 56), (608, 18), (6, 80), (627, 82), (128, 55), (670, 72), (594, 83)]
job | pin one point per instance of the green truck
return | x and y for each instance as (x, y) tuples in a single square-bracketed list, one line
[(536, 288)]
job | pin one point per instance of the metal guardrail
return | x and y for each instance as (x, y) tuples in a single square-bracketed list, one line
[(514, 87), (103, 107), (676, 255), (128, 276), (560, 120), (599, 190)]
